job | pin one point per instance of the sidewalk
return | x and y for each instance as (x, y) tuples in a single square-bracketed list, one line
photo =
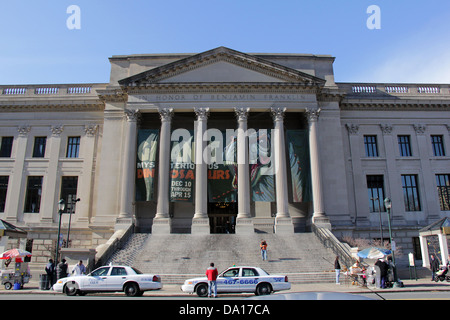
[(173, 290)]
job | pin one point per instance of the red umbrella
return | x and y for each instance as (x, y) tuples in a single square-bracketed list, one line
[(15, 253)]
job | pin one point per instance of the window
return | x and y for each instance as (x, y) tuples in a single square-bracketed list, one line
[(375, 190), (6, 147), (118, 271), (33, 196), (69, 191), (411, 192), (101, 272), (443, 187), (231, 273), (3, 190), (437, 142), (370, 144), (247, 272), (73, 147), (404, 146), (39, 147)]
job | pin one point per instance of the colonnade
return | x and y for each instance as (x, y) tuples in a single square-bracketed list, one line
[(200, 220)]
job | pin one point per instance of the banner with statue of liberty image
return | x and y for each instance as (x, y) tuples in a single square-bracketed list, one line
[(298, 151), (262, 167), (147, 147), (222, 166)]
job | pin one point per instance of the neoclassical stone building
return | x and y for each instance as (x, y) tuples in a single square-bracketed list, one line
[(223, 142)]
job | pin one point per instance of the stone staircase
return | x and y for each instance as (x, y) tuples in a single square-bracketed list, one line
[(177, 257)]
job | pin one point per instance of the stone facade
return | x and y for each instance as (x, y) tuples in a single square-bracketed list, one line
[(223, 89)]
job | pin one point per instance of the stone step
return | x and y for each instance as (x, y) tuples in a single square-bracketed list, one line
[(178, 255)]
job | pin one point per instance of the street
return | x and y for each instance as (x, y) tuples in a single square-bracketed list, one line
[(413, 295)]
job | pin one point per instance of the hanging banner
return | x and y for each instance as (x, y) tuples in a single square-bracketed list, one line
[(147, 146), (182, 167), (222, 167), (262, 166), (298, 148)]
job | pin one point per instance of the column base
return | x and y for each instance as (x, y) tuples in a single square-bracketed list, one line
[(322, 221), (161, 226), (284, 225), (244, 226), (123, 223), (200, 226)]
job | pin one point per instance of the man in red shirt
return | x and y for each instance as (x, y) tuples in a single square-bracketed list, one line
[(212, 274)]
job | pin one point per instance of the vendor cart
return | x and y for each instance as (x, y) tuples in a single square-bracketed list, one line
[(16, 278)]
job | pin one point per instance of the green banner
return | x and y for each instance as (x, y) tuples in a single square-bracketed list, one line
[(147, 146), (222, 179), (182, 167), (262, 167), (298, 149)]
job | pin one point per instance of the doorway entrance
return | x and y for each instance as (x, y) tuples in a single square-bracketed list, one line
[(222, 217)]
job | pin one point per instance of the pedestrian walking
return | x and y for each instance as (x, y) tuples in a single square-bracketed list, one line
[(212, 274), (383, 272), (434, 266), (263, 249), (50, 270), (61, 270), (337, 269), (79, 269)]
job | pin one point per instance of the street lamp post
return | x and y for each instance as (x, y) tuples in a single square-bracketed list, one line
[(379, 213), (388, 205), (72, 211), (61, 206)]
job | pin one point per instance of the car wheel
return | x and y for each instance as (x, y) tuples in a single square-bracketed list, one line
[(263, 289), (132, 290), (71, 288), (8, 285), (201, 290)]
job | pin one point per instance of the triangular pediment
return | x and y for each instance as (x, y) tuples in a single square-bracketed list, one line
[(221, 65)]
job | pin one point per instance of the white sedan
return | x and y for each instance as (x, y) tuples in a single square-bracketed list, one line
[(110, 279), (239, 279)]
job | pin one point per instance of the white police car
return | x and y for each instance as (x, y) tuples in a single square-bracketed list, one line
[(110, 278), (239, 279)]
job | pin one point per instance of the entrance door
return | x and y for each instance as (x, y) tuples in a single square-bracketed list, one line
[(222, 216)]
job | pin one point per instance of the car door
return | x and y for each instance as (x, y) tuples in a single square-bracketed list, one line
[(96, 280), (248, 280), (117, 278), (228, 281)]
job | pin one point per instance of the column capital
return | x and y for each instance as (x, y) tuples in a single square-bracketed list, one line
[(201, 113), (419, 128), (352, 128), (90, 129), (165, 114), (24, 130), (241, 113), (386, 128), (312, 114), (57, 130), (277, 113), (132, 115)]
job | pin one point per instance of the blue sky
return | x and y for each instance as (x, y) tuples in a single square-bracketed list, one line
[(36, 46)]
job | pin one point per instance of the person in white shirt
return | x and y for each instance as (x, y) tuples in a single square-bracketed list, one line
[(79, 269)]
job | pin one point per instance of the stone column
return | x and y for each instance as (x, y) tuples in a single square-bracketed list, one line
[(244, 221), (161, 222), (17, 181), (128, 169), (319, 217), (85, 184), (200, 222), (50, 200), (283, 221)]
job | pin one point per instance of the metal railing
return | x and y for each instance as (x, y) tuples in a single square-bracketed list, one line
[(328, 239)]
